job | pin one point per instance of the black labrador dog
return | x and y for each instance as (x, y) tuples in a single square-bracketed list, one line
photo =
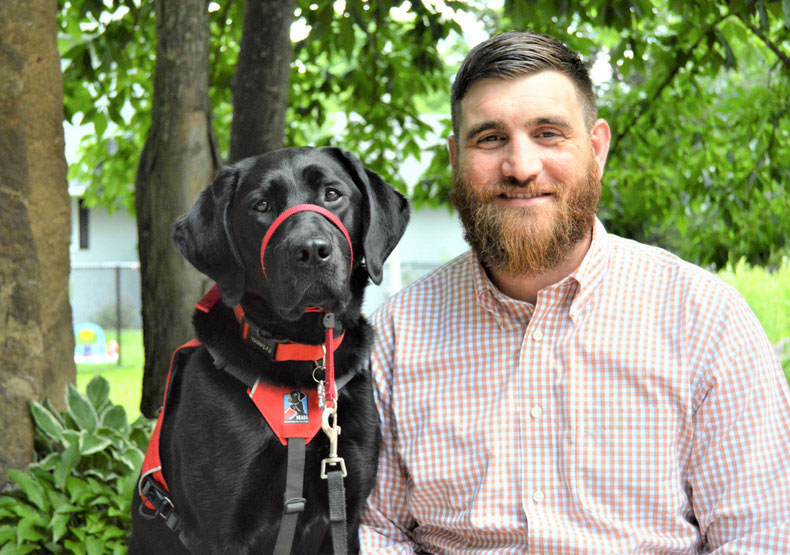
[(224, 466)]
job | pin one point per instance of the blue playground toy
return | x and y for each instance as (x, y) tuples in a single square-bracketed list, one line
[(90, 346)]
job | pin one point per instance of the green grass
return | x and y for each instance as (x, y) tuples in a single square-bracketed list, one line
[(126, 381), (767, 292), (768, 295)]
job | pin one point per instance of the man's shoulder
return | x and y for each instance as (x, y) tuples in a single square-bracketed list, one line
[(653, 259), (656, 269)]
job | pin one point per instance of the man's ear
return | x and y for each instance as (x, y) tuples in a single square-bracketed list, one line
[(452, 147), (600, 136), (204, 236), (385, 213)]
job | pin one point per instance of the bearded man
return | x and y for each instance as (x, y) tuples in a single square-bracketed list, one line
[(559, 389)]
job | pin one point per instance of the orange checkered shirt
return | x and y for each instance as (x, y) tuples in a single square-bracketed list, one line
[(638, 407)]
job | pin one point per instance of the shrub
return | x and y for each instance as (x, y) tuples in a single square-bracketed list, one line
[(76, 495)]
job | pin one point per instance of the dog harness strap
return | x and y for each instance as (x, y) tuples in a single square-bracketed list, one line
[(304, 208), (152, 464), (337, 512), (152, 487), (293, 502)]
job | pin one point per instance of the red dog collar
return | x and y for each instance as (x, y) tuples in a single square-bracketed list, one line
[(303, 208), (280, 351)]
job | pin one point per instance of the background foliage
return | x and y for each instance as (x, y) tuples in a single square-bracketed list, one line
[(697, 93)]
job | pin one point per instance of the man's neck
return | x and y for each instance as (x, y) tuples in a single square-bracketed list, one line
[(526, 287)]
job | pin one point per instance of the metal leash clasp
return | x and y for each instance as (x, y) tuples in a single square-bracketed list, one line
[(332, 430)]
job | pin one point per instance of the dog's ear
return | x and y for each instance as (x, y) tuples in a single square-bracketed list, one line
[(204, 237), (385, 213)]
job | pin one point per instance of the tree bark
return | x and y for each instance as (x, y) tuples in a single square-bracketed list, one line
[(261, 85), (36, 337), (178, 160)]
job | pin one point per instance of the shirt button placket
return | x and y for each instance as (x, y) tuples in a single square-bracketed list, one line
[(536, 496)]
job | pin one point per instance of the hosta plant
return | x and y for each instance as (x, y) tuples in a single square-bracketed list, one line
[(75, 497)]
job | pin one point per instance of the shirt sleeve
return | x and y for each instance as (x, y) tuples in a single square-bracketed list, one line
[(386, 521), (740, 476)]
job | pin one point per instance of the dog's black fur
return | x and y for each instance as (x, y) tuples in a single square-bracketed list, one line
[(224, 466)]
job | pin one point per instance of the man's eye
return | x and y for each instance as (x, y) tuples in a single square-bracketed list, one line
[(490, 140), (262, 206), (331, 194)]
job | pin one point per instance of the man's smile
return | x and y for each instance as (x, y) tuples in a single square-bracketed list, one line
[(522, 199)]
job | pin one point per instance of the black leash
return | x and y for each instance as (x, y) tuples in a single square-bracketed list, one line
[(337, 512)]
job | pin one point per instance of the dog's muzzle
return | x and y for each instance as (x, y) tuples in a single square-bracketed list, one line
[(304, 208)]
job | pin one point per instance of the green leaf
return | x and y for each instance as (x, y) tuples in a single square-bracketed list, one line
[(59, 526), (46, 421), (115, 419), (59, 502), (94, 546), (47, 404), (30, 529), (91, 444), (98, 391), (7, 533), (9, 548), (112, 533), (66, 465), (81, 410), (77, 548), (31, 488)]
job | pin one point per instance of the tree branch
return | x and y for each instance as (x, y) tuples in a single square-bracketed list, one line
[(784, 58), (681, 59)]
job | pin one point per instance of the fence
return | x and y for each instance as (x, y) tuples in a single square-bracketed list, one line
[(106, 293)]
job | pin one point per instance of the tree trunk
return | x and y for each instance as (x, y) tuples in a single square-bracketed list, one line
[(36, 337), (178, 160), (260, 91)]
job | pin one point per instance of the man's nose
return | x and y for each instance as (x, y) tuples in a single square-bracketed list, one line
[(522, 160)]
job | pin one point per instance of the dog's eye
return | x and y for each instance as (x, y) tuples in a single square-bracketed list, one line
[(332, 194), (262, 206)]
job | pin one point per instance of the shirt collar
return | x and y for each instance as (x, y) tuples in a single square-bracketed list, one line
[(587, 276), (593, 268)]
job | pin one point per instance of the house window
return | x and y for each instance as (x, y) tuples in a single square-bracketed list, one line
[(83, 215)]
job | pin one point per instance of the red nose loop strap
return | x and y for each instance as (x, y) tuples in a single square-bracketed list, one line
[(303, 208)]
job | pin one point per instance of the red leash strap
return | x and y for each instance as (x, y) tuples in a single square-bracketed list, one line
[(330, 394), (303, 208)]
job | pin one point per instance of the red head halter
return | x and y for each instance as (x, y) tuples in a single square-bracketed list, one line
[(303, 208)]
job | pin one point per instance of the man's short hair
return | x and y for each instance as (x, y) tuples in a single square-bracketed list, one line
[(517, 54)]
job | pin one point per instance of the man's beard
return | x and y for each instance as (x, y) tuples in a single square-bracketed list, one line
[(522, 241)]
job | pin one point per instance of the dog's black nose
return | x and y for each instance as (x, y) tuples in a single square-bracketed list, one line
[(313, 252)]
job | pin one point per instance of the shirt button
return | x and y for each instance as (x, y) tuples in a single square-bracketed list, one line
[(537, 335), (538, 496), (536, 412)]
